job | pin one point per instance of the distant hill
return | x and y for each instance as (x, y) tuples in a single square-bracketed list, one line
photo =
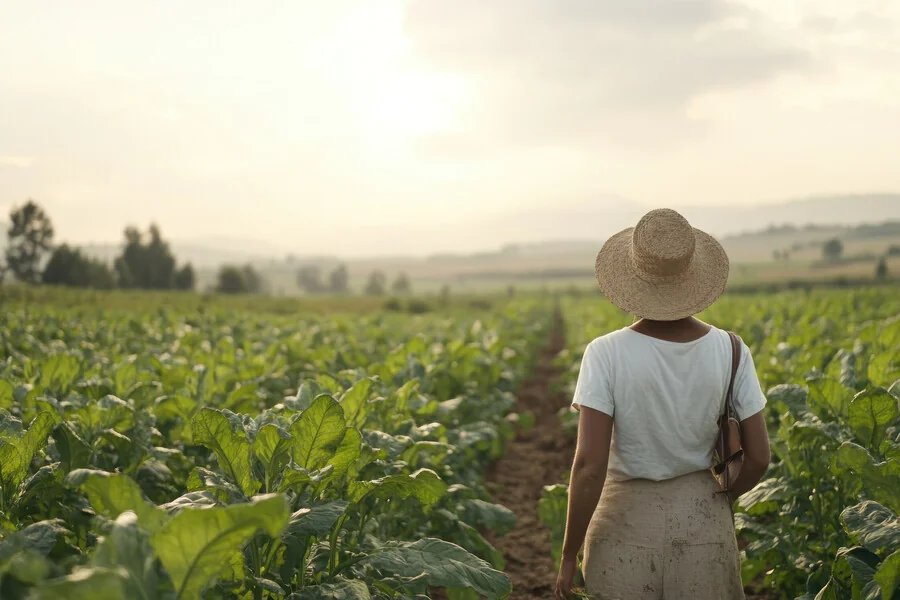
[(595, 219), (828, 210), (569, 232)]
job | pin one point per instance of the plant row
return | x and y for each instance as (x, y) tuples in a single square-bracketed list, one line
[(228, 454)]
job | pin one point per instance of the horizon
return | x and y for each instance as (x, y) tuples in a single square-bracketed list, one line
[(221, 243)]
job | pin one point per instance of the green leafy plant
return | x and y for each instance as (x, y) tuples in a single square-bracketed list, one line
[(171, 456)]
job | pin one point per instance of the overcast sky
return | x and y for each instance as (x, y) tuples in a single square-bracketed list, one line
[(353, 126)]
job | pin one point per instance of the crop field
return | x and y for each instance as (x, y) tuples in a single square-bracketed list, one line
[(186, 449)]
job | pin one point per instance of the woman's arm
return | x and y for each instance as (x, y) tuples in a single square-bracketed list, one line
[(755, 443), (585, 487)]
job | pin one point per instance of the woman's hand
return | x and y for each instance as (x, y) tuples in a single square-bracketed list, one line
[(565, 578)]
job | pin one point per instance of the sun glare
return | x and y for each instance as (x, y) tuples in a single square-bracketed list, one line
[(411, 104), (395, 99)]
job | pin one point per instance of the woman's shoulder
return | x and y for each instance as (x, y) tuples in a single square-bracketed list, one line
[(607, 340), (723, 343)]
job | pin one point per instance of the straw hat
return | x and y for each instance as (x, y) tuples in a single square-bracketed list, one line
[(663, 269)]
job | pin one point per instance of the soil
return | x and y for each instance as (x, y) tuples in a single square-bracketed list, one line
[(538, 456)]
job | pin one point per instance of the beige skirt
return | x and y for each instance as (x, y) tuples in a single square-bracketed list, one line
[(657, 540)]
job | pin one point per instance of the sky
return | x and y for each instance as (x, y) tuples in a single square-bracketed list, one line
[(394, 126)]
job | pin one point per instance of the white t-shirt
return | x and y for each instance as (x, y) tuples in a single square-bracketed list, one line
[(665, 399)]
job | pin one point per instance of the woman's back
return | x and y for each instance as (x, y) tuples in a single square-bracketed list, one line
[(665, 397), (654, 521)]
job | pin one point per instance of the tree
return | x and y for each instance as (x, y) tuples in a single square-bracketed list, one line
[(130, 265), (881, 268), (30, 236), (339, 280), (401, 285), (184, 278), (160, 262), (231, 280), (376, 284), (252, 280), (148, 265), (309, 278), (832, 249), (69, 266)]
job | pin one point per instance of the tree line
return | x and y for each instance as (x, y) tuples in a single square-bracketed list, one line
[(146, 262), (311, 280)]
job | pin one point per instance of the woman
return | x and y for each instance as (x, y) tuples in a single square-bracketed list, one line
[(650, 396)]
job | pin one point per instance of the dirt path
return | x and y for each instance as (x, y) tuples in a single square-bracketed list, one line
[(537, 457)]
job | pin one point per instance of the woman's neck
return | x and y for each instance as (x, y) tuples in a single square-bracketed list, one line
[(682, 330)]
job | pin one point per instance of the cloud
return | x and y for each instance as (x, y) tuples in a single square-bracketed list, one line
[(568, 71), (21, 162)]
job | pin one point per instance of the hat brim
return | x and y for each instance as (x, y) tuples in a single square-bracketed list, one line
[(690, 293)]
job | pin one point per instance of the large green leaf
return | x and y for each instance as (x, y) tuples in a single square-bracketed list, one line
[(293, 479), (766, 495), (790, 397), (871, 412), (347, 453), (273, 448), (110, 412), (340, 589), (112, 494), (876, 527), (95, 583), (167, 408), (74, 451), (28, 566), (889, 337), (441, 564), (198, 545), (316, 520), (881, 480), (6, 394), (58, 373), (203, 479), (317, 433), (552, 509), (810, 432), (888, 575), (223, 434), (455, 530), (830, 592), (204, 499), (127, 548), (17, 447), (488, 515), (38, 537), (853, 571), (829, 399), (354, 402), (424, 485)]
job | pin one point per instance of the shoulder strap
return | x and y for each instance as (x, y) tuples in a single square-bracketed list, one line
[(735, 363)]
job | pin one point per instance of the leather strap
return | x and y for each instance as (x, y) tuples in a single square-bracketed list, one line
[(735, 363), (727, 414)]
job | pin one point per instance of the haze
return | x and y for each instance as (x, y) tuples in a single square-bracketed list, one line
[(355, 127)]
